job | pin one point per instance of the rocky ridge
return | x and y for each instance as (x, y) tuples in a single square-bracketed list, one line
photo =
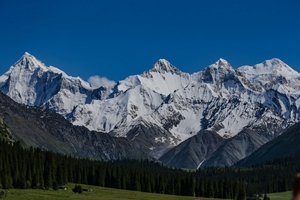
[(164, 108)]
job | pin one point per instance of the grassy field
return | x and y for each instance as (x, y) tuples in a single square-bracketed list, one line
[(98, 193), (281, 196)]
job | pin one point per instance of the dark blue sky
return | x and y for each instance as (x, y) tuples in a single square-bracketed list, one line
[(118, 38)]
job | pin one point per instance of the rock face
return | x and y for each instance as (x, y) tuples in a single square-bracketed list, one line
[(5, 133), (43, 128), (287, 144), (163, 110), (194, 151)]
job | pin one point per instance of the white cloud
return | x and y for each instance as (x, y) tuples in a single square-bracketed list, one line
[(97, 81)]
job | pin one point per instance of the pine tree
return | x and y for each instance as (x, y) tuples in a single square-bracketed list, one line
[(242, 192), (124, 187), (210, 191), (84, 175), (59, 177), (137, 183), (55, 185), (226, 190), (118, 182), (28, 177), (236, 189), (191, 184), (91, 175), (41, 181), (77, 189), (47, 177)]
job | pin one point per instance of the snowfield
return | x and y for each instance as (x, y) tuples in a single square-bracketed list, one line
[(219, 98)]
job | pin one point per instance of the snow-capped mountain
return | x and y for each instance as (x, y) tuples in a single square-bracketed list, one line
[(163, 106), (270, 73), (30, 82), (281, 87)]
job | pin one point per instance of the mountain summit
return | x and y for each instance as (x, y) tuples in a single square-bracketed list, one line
[(163, 66), (163, 109), (31, 82), (268, 71), (29, 62)]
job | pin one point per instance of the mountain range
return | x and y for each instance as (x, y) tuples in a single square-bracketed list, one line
[(214, 117)]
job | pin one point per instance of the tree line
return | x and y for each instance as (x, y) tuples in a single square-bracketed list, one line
[(34, 168), (22, 167), (268, 177)]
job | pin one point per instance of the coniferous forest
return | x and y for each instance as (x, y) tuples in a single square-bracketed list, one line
[(33, 168)]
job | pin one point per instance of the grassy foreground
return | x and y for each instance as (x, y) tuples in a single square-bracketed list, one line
[(98, 193), (281, 196)]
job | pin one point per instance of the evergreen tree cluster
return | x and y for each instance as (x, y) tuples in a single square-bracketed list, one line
[(77, 189), (220, 188), (33, 168), (268, 177)]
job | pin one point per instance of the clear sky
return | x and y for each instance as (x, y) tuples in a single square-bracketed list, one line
[(118, 38)]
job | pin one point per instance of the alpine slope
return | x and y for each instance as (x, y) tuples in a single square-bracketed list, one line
[(214, 117)]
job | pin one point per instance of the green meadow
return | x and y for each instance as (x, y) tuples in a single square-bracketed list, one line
[(99, 193), (281, 196)]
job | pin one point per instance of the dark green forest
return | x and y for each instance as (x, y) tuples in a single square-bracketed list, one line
[(23, 168), (268, 177), (33, 168)]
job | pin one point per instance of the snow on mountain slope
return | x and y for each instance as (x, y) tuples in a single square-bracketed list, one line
[(281, 87), (205, 149), (164, 101), (219, 73), (271, 72), (199, 108), (30, 82), (151, 92), (271, 67), (113, 113), (162, 78), (200, 99), (268, 126)]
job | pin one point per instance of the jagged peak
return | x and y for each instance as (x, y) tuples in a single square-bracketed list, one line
[(274, 61), (162, 60), (218, 72), (277, 64), (222, 61), (28, 56), (30, 62), (221, 64), (271, 66), (163, 66)]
